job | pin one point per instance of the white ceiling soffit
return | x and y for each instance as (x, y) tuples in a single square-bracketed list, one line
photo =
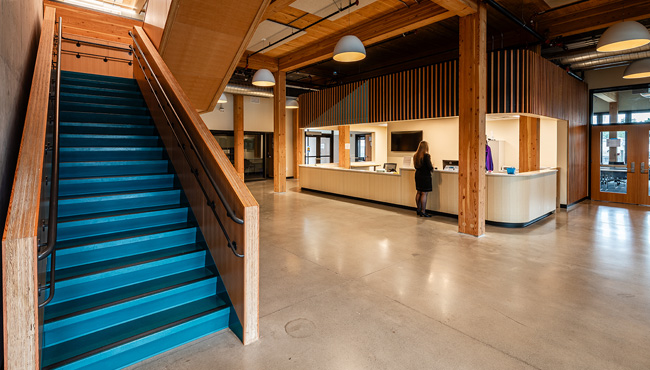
[(269, 32), (610, 96), (323, 8), (556, 3)]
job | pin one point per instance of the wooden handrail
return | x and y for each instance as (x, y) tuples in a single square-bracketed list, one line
[(20, 241), (240, 275)]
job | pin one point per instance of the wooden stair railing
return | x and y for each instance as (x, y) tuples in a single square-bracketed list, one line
[(240, 275), (21, 270)]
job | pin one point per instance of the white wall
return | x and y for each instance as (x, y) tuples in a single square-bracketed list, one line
[(441, 134), (506, 130), (548, 142), (257, 117), (610, 77)]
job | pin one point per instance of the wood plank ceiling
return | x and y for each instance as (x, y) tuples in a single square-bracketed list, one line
[(403, 34)]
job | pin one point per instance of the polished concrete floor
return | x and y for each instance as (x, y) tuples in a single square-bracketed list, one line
[(353, 285)]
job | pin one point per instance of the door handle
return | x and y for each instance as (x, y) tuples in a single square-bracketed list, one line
[(643, 169), (631, 168)]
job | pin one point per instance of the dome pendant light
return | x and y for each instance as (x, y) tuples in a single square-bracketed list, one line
[(223, 99), (638, 69), (624, 36), (263, 77), (291, 104), (349, 49)]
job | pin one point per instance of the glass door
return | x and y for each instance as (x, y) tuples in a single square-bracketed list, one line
[(619, 163), (319, 147)]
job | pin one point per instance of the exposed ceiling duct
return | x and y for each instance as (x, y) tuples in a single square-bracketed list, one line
[(595, 55), (610, 60), (257, 91)]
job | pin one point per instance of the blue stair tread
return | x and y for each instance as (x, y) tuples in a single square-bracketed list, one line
[(125, 193), (103, 128), (73, 97), (91, 268), (69, 106), (57, 311), (114, 335), (91, 90), (73, 243), (93, 76), (121, 213), (117, 85), (84, 186)]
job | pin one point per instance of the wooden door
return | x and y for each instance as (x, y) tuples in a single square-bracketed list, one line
[(619, 163)]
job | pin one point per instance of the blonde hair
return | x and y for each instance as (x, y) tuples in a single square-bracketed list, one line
[(418, 157)]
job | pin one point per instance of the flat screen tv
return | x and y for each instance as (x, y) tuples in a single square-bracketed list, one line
[(405, 141)]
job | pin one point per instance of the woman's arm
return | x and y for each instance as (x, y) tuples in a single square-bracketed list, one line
[(429, 164)]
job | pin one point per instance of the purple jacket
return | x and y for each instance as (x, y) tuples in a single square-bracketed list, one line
[(489, 165)]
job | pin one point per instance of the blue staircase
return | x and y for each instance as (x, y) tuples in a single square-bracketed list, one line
[(133, 275)]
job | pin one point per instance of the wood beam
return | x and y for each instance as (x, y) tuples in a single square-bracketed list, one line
[(279, 136), (529, 150), (591, 15), (298, 142), (276, 6), (238, 126), (375, 30), (139, 5), (472, 107), (344, 146), (258, 61), (459, 7)]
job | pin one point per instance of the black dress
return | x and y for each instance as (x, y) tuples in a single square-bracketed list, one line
[(423, 174)]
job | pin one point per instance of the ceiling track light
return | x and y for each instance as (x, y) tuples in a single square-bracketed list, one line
[(623, 36), (263, 77), (638, 69)]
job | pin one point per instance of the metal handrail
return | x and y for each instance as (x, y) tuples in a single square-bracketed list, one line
[(54, 188), (231, 214), (125, 49)]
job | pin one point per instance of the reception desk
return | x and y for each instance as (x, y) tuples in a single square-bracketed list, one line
[(512, 200)]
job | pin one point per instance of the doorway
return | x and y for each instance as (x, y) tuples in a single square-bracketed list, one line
[(620, 157), (254, 150), (319, 147)]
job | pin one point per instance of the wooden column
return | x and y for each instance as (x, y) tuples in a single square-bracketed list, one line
[(472, 107), (298, 141), (238, 104), (344, 146), (529, 159), (279, 129)]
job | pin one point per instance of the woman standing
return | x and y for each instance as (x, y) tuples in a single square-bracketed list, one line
[(423, 185)]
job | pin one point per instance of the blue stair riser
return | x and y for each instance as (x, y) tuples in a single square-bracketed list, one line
[(114, 85), (76, 154), (101, 282), (90, 76), (69, 230), (76, 326), (119, 202), (95, 169), (101, 108), (70, 116), (117, 184), (86, 140), (106, 128), (101, 99), (159, 342), (88, 90), (120, 248)]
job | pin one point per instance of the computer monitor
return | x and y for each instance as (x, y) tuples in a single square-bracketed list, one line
[(447, 162), (390, 167)]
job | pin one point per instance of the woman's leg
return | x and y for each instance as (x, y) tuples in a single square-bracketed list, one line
[(423, 202), (418, 196)]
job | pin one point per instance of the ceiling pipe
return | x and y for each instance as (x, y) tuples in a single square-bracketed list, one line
[(258, 91), (593, 54), (514, 18)]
